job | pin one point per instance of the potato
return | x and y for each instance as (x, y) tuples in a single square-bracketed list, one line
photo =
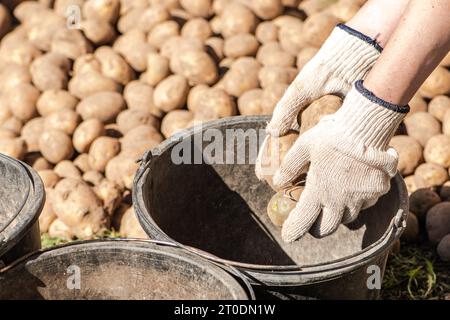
[(121, 170), (243, 44), (6, 134), (90, 83), (49, 178), (236, 18), (195, 95), (113, 65), (77, 206), (215, 47), (285, 20), (31, 132), (139, 96), (317, 28), (197, 28), (129, 119), (65, 120), (267, 9), (41, 30), (409, 152), (437, 83), (127, 22), (271, 54), (443, 248), (46, 217), (59, 229), (414, 183), (275, 150), (219, 5), (162, 32), (411, 233), (249, 103), (110, 194), (171, 93), (55, 100), (86, 133), (55, 146), (50, 72), (311, 7), (13, 75), (19, 52), (271, 75), (101, 151), (242, 76), (437, 150), (22, 101), (214, 104), (196, 66), (305, 55), (13, 147), (70, 43), (326, 105), (38, 162), (197, 8), (93, 177), (266, 31), (139, 140), (290, 3), (151, 16), (105, 10), (423, 200), (216, 25), (438, 106), (446, 123), (98, 32), (5, 20), (344, 10), (422, 126), (13, 124), (157, 69), (433, 174), (26, 9), (175, 45), (61, 7), (67, 169), (291, 39), (133, 47), (444, 193), (82, 162), (129, 225), (104, 106), (417, 104), (5, 112), (271, 95), (176, 120), (86, 63), (438, 222), (280, 205), (168, 4)]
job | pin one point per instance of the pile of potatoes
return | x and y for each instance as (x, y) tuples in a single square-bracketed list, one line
[(86, 86)]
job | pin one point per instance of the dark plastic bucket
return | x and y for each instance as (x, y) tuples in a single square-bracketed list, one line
[(119, 269), (220, 209), (21, 200)]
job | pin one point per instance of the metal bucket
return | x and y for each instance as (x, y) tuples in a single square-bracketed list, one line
[(220, 209), (22, 197), (119, 269)]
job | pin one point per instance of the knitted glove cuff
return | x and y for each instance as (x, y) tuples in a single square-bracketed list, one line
[(349, 53), (368, 118)]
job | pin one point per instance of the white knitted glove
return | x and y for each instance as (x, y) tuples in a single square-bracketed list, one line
[(350, 165), (346, 56)]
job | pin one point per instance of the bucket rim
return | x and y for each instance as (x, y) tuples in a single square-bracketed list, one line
[(232, 274), (30, 210), (332, 268)]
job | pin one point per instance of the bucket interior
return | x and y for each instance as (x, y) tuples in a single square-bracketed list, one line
[(117, 270), (14, 190), (221, 209)]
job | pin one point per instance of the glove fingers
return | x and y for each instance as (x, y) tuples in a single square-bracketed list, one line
[(327, 222), (294, 163), (286, 111), (351, 212), (301, 218)]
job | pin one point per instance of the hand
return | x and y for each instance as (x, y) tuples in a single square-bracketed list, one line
[(350, 165), (346, 56)]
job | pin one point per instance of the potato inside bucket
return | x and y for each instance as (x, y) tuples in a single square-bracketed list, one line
[(221, 209)]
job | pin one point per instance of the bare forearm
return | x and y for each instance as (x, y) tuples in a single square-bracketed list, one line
[(416, 47), (379, 18)]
